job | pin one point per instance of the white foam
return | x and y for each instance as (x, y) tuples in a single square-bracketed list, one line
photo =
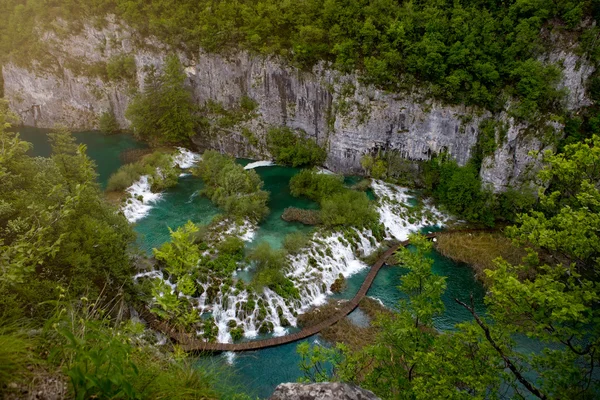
[(246, 232), (229, 357), (393, 207), (186, 159), (136, 209), (325, 171), (257, 164), (141, 200)]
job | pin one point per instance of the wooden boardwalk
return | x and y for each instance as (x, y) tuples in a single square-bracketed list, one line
[(191, 344)]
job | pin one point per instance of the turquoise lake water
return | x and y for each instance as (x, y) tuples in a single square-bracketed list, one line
[(105, 150), (258, 371)]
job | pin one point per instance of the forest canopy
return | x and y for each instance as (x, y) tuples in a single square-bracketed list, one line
[(473, 52)]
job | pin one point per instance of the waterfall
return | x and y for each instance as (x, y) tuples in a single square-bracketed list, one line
[(257, 164), (139, 204), (141, 198), (314, 269)]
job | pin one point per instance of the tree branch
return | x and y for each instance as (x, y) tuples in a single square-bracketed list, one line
[(507, 360)]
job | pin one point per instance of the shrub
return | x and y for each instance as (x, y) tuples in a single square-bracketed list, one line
[(294, 242), (270, 266), (291, 149), (121, 68), (125, 177), (459, 190), (307, 217), (339, 284), (108, 123), (374, 166), (314, 185), (348, 208), (231, 245), (159, 166), (231, 187)]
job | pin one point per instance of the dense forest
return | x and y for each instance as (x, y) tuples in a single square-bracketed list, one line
[(68, 254), (472, 52)]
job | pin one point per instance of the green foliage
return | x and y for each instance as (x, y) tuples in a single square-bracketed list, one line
[(55, 222), (237, 191), (459, 190), (270, 267), (121, 68), (340, 206), (247, 104), (291, 149), (296, 241), (158, 166), (423, 287), (231, 245), (568, 219), (314, 185), (349, 208), (395, 360), (375, 167), (163, 112), (106, 359), (463, 52), (15, 353), (181, 254), (108, 123)]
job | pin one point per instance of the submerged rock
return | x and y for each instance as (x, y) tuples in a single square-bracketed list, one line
[(321, 391)]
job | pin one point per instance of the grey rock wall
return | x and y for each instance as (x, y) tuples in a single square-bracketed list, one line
[(342, 114), (321, 391)]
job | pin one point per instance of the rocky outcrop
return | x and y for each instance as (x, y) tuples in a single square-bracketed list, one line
[(344, 115), (321, 391)]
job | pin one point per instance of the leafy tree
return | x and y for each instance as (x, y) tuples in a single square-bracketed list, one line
[(236, 190), (108, 123), (391, 365), (569, 216), (181, 255), (349, 208), (164, 111), (291, 149), (270, 266), (314, 185), (459, 190), (54, 222)]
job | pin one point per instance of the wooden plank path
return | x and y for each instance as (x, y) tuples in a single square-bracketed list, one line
[(192, 344)]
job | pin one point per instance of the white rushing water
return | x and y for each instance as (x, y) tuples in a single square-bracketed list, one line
[(257, 164), (185, 159), (325, 171), (314, 270), (396, 214), (140, 203), (246, 231), (142, 199)]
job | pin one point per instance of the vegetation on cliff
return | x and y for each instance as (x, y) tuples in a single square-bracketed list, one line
[(164, 111), (292, 149), (474, 53)]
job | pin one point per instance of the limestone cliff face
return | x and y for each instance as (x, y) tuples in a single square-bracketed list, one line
[(321, 391), (345, 116)]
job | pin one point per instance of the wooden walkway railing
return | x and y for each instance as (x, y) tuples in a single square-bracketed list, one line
[(190, 344)]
